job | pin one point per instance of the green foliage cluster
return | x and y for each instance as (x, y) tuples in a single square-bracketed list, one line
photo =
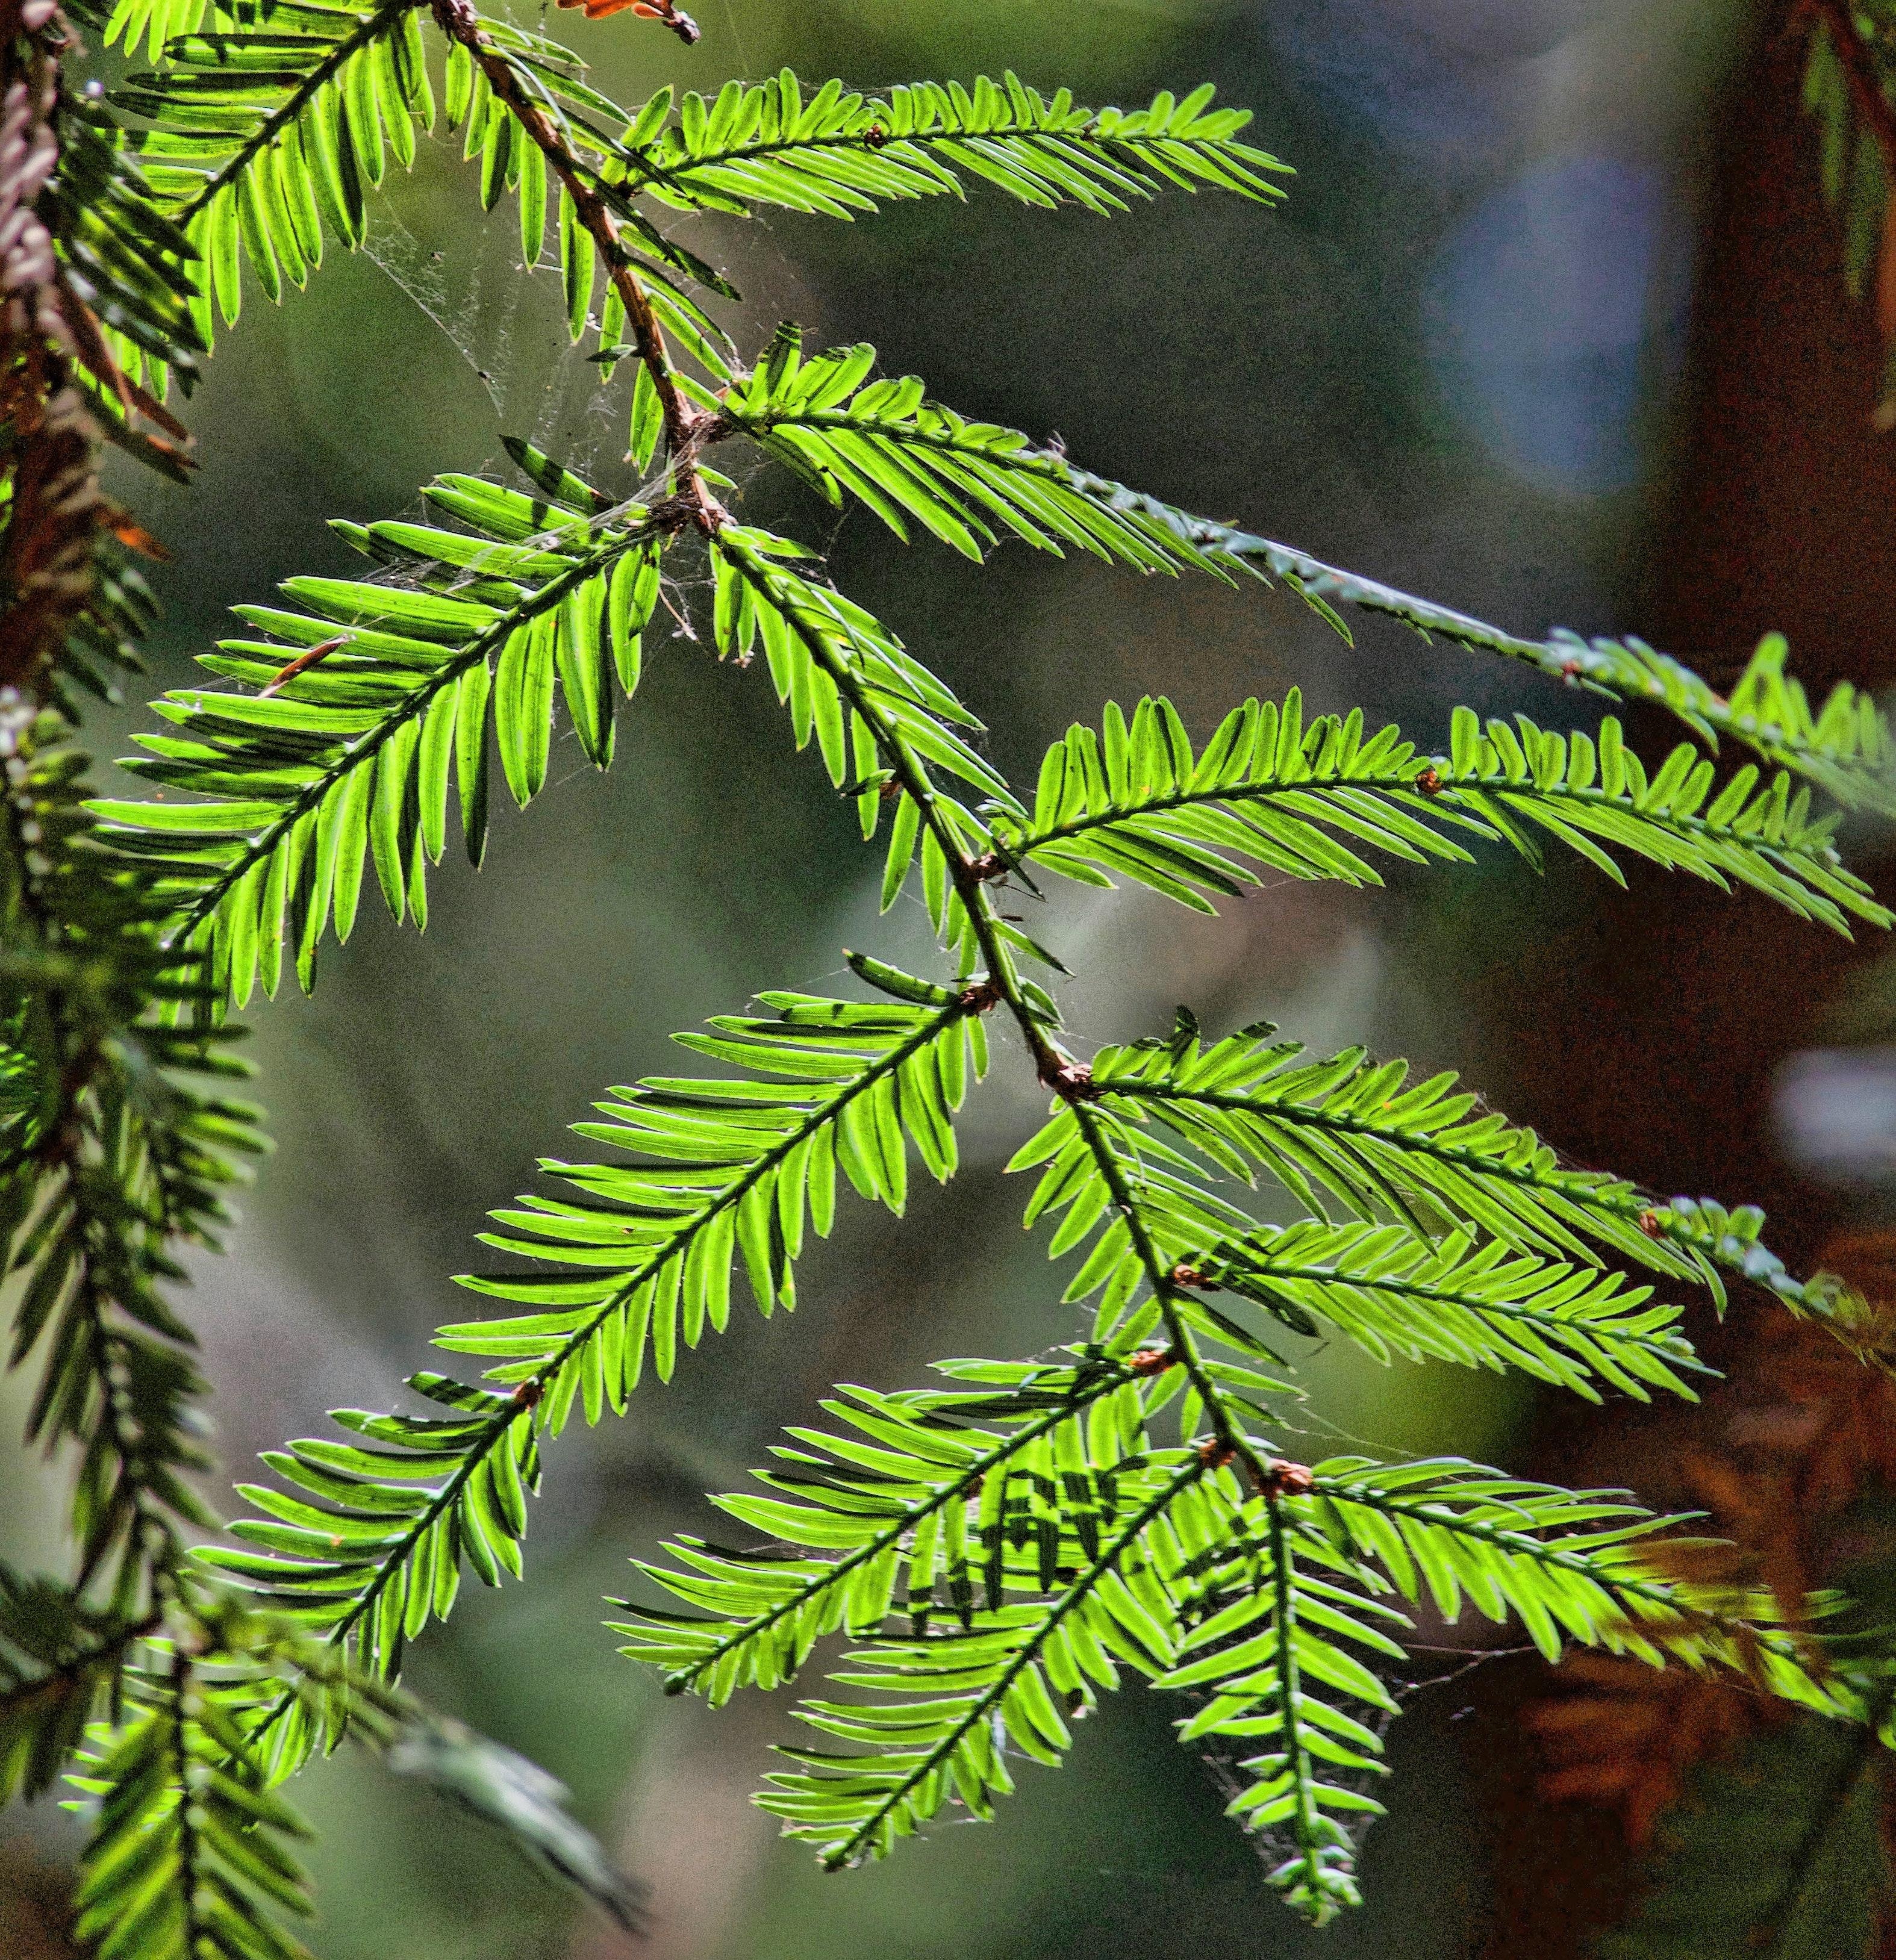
[(992, 1556)]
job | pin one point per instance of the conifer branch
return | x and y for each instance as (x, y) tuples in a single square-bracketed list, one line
[(380, 1551), (114, 1159), (60, 1660), (874, 1826), (715, 1659), (1314, 1879), (907, 457), (1137, 800), (767, 1612), (556, 585), (1055, 1069), (1426, 1157), (1444, 1298), (841, 153), (369, 29), (1047, 1542)]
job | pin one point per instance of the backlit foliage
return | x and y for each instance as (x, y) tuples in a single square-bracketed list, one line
[(968, 1568)]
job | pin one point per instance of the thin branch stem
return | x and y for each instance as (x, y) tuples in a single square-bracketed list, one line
[(1053, 1064), (61, 1678), (1166, 1291), (685, 426), (1069, 1080), (1864, 1760)]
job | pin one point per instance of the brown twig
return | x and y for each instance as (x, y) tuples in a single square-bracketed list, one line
[(685, 426), (301, 664)]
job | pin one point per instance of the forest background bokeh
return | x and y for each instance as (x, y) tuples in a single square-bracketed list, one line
[(1500, 345)]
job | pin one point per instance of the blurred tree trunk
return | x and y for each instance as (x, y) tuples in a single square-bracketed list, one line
[(35, 1908), (1646, 1036)]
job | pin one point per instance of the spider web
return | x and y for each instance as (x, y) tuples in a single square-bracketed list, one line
[(460, 309), (506, 325)]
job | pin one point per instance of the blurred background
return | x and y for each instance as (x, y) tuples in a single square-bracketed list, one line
[(1550, 328)]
